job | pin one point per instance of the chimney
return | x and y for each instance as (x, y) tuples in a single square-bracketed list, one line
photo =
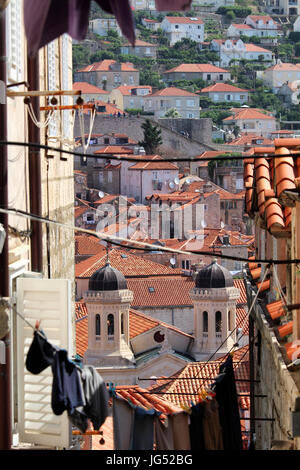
[(207, 187)]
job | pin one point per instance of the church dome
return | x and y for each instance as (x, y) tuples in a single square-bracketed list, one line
[(107, 278), (213, 276)]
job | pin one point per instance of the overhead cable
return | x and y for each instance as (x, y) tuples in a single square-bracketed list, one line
[(224, 157), (137, 245)]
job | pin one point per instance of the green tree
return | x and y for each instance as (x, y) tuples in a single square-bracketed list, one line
[(152, 137), (172, 113)]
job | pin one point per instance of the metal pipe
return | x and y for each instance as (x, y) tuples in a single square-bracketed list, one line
[(5, 374), (33, 80)]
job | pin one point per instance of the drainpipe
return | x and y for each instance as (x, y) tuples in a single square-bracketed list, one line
[(5, 387), (35, 168)]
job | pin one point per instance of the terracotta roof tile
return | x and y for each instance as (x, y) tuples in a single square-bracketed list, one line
[(172, 91), (104, 66), (286, 329), (86, 87), (247, 113), (183, 20), (197, 68), (292, 350), (276, 309), (221, 88), (127, 89), (183, 387), (114, 150), (87, 245), (130, 265)]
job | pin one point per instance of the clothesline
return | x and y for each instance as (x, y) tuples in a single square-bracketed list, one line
[(224, 157)]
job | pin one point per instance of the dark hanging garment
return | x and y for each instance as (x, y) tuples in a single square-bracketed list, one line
[(46, 20), (143, 429), (66, 386), (226, 397), (196, 427), (40, 354)]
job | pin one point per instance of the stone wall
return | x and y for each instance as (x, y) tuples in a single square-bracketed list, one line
[(278, 384)]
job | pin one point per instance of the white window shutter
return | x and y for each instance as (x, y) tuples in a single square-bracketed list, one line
[(65, 85), (48, 300), (14, 41), (53, 130)]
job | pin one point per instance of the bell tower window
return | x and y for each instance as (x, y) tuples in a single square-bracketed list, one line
[(97, 326), (218, 319), (205, 322), (110, 327)]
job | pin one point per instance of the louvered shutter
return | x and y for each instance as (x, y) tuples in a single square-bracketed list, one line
[(48, 300), (65, 85), (53, 127), (14, 41)]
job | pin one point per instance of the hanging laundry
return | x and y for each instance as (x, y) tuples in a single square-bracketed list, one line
[(226, 397), (173, 5), (66, 387), (80, 391), (47, 20), (163, 432), (40, 353), (96, 396), (123, 418), (181, 433), (143, 429), (196, 427), (213, 438), (173, 433)]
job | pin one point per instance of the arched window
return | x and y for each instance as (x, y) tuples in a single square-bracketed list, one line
[(110, 325), (218, 321), (122, 324), (229, 321), (97, 325), (205, 322)]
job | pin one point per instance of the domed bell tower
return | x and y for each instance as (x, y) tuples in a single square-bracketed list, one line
[(214, 297), (108, 302)]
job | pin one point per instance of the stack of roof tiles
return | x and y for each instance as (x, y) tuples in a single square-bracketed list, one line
[(266, 180)]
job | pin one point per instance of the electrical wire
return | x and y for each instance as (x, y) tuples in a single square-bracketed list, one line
[(224, 157), (119, 241)]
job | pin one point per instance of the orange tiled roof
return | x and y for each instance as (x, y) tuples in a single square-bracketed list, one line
[(127, 89), (183, 20), (183, 385), (199, 68), (284, 66), (104, 66), (140, 43), (222, 87), (87, 245), (154, 165), (86, 87), (130, 265), (247, 113), (273, 177), (114, 150), (242, 26), (172, 91)]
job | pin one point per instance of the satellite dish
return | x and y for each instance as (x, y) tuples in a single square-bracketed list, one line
[(222, 224), (173, 261), (176, 180), (171, 185), (188, 181), (203, 223), (197, 190), (101, 194)]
